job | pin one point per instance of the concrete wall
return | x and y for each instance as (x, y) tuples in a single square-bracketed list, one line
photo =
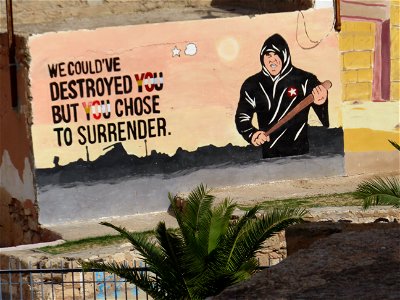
[(189, 114), (199, 68)]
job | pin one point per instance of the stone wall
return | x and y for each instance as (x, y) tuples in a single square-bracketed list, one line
[(361, 264), (16, 291), (327, 220)]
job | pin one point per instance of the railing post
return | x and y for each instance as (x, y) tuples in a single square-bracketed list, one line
[(31, 279), (20, 282), (41, 280), (10, 280)]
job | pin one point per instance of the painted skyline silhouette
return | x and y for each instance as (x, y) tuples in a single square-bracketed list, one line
[(117, 163)]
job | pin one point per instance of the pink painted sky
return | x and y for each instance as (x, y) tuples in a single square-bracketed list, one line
[(200, 92)]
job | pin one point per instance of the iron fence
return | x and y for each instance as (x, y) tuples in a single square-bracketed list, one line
[(41, 282), (66, 283)]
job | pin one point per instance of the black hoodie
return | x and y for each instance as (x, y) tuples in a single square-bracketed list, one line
[(272, 97)]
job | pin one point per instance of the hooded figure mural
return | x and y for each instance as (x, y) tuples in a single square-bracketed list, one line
[(271, 94)]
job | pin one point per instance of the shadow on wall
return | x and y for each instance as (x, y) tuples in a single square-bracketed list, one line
[(264, 6)]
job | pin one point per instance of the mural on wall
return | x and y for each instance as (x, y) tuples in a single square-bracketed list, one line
[(273, 94), (159, 101)]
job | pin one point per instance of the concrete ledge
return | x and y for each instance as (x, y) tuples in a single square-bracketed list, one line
[(31, 246)]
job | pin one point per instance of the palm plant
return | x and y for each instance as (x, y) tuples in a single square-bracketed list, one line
[(380, 190), (394, 144), (207, 253)]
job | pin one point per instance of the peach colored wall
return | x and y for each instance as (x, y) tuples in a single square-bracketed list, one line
[(203, 65), (200, 92), (199, 95)]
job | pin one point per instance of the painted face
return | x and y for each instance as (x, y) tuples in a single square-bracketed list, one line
[(273, 63)]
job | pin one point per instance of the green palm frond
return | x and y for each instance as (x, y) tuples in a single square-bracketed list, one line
[(207, 253), (256, 231), (198, 213), (394, 144), (173, 248), (233, 234), (198, 208), (194, 221), (219, 223), (211, 282), (270, 223), (379, 191), (150, 253), (171, 243), (143, 280), (218, 258), (201, 226)]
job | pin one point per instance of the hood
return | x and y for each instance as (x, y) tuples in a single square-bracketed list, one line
[(276, 43)]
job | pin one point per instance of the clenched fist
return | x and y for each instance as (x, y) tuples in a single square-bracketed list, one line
[(320, 94), (259, 138)]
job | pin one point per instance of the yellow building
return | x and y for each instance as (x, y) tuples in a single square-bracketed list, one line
[(369, 49)]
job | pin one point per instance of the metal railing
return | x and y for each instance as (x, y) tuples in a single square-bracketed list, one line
[(57, 282), (67, 283)]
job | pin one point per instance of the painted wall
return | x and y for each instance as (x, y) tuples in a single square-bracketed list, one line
[(161, 100), (185, 117), (369, 50), (124, 115)]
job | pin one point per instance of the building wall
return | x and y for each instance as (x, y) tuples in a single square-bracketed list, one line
[(190, 135), (369, 48), (203, 65), (395, 50), (18, 206)]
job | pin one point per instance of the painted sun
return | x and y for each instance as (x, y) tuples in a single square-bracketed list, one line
[(228, 48)]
